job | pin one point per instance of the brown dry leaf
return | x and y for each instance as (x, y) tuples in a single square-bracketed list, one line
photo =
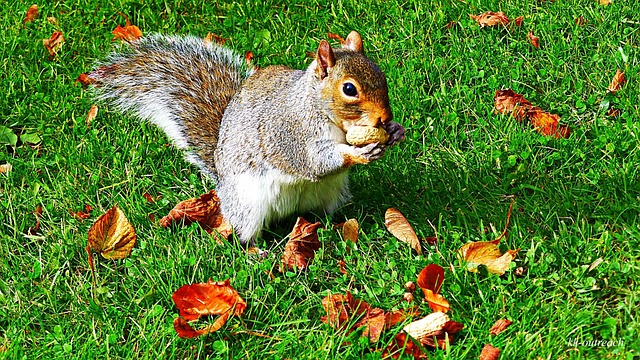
[(32, 14), (85, 80), (489, 353), (81, 215), (580, 21), (431, 277), (398, 225), (127, 33), (213, 37), (350, 230), (507, 101), (302, 245), (343, 309), (202, 299), (535, 41), (112, 235), (490, 18), (432, 331), (613, 112), (604, 2), (333, 36), (5, 168), (52, 20), (487, 253), (519, 20), (431, 240), (342, 267), (204, 210), (148, 197), (617, 81), (499, 326), (38, 213), (91, 115), (54, 43)]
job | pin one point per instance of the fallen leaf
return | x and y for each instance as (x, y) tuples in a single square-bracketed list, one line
[(81, 215), (613, 112), (248, 57), (91, 115), (52, 20), (342, 310), (499, 326), (489, 353), (5, 168), (431, 240), (204, 299), (127, 33), (85, 80), (433, 331), (350, 230), (204, 210), (112, 235), (431, 277), (535, 41), (398, 225), (507, 101), (302, 245), (604, 2), (519, 20), (148, 197), (617, 81), (32, 14), (38, 213), (342, 267), (490, 18), (213, 37), (580, 21), (54, 43), (487, 253)]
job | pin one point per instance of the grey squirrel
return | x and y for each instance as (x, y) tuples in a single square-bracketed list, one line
[(272, 139)]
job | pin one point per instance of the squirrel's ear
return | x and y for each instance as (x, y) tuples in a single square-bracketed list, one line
[(325, 59), (354, 42)]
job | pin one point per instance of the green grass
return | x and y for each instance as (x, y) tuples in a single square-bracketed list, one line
[(576, 200)]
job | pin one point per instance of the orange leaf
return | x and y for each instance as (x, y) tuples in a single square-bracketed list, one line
[(487, 253), (80, 215), (213, 37), (519, 20), (398, 225), (489, 353), (128, 32), (373, 322), (350, 230), (436, 302), (112, 235), (490, 18), (535, 41), (54, 43), (91, 115), (5, 168), (507, 101), (85, 80), (617, 81), (204, 210), (499, 326), (210, 298), (185, 331), (32, 14), (302, 245), (431, 277), (38, 213)]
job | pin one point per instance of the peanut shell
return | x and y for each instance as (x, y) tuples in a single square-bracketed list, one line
[(428, 326), (364, 135)]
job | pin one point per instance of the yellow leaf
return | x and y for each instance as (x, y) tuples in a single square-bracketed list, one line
[(112, 235)]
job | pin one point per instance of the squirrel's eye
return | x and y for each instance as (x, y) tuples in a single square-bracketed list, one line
[(349, 89)]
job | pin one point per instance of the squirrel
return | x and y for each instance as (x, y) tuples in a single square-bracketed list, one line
[(272, 139)]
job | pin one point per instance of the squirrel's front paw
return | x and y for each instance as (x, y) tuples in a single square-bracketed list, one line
[(371, 152), (395, 131)]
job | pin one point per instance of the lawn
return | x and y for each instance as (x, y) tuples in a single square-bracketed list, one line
[(576, 200)]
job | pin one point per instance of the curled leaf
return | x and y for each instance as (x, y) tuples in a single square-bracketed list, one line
[(489, 353), (53, 43), (507, 101), (350, 230), (204, 210), (499, 326), (32, 14), (486, 253), (617, 81), (202, 299), (490, 18), (398, 225), (91, 115), (302, 245), (112, 235), (127, 33), (535, 41)]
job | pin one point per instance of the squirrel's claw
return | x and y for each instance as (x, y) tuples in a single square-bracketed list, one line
[(372, 151), (395, 131)]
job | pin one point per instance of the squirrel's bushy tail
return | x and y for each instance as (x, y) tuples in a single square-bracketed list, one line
[(179, 83)]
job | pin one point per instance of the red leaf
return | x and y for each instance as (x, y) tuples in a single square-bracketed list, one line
[(302, 245), (210, 298), (32, 14), (499, 326)]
